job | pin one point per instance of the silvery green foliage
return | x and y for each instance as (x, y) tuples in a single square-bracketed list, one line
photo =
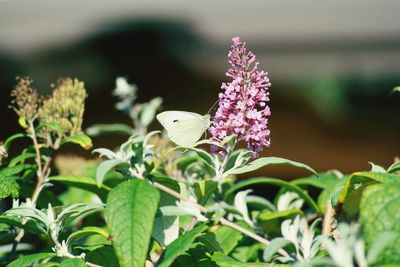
[(348, 247), (297, 233), (53, 223), (141, 114), (241, 206), (183, 208), (289, 200), (135, 152), (126, 93)]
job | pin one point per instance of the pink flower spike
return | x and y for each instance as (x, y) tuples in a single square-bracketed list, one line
[(243, 109), (236, 40)]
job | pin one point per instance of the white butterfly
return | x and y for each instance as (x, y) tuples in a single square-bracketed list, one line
[(184, 128)]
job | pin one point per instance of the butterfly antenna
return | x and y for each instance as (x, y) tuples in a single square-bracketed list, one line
[(208, 112)]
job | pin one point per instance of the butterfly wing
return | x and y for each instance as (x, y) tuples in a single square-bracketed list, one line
[(184, 128)]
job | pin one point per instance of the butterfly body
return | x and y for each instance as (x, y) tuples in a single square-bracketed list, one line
[(184, 128)]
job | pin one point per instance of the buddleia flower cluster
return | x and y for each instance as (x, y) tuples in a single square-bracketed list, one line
[(243, 111), (26, 100), (65, 106)]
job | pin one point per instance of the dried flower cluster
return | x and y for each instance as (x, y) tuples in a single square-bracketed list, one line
[(243, 109), (26, 100), (66, 106)]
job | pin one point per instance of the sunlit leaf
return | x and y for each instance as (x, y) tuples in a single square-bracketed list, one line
[(268, 161), (130, 213), (81, 139)]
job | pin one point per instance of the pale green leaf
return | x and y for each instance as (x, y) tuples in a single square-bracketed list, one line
[(268, 161), (104, 168), (116, 128), (273, 181), (87, 231), (273, 247)]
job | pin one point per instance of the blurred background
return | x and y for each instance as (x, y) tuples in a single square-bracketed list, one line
[(332, 64)]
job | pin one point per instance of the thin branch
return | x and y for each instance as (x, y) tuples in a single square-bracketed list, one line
[(40, 174), (222, 220), (328, 218)]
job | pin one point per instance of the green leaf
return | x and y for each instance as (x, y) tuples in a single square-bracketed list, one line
[(130, 213), (166, 228), (73, 263), (11, 139), (23, 123), (100, 129), (12, 171), (228, 238), (204, 189), (395, 167), (209, 240), (8, 187), (104, 168), (379, 212), (248, 253), (271, 222), (29, 260), (180, 246), (85, 183), (87, 231), (267, 161), (378, 245), (31, 226), (361, 178), (48, 264), (103, 256), (195, 257), (273, 247), (328, 182), (21, 158), (224, 261), (206, 157), (276, 182), (81, 139), (238, 158), (52, 125), (260, 203)]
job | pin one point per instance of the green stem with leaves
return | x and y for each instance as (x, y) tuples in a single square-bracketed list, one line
[(223, 221), (40, 178)]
